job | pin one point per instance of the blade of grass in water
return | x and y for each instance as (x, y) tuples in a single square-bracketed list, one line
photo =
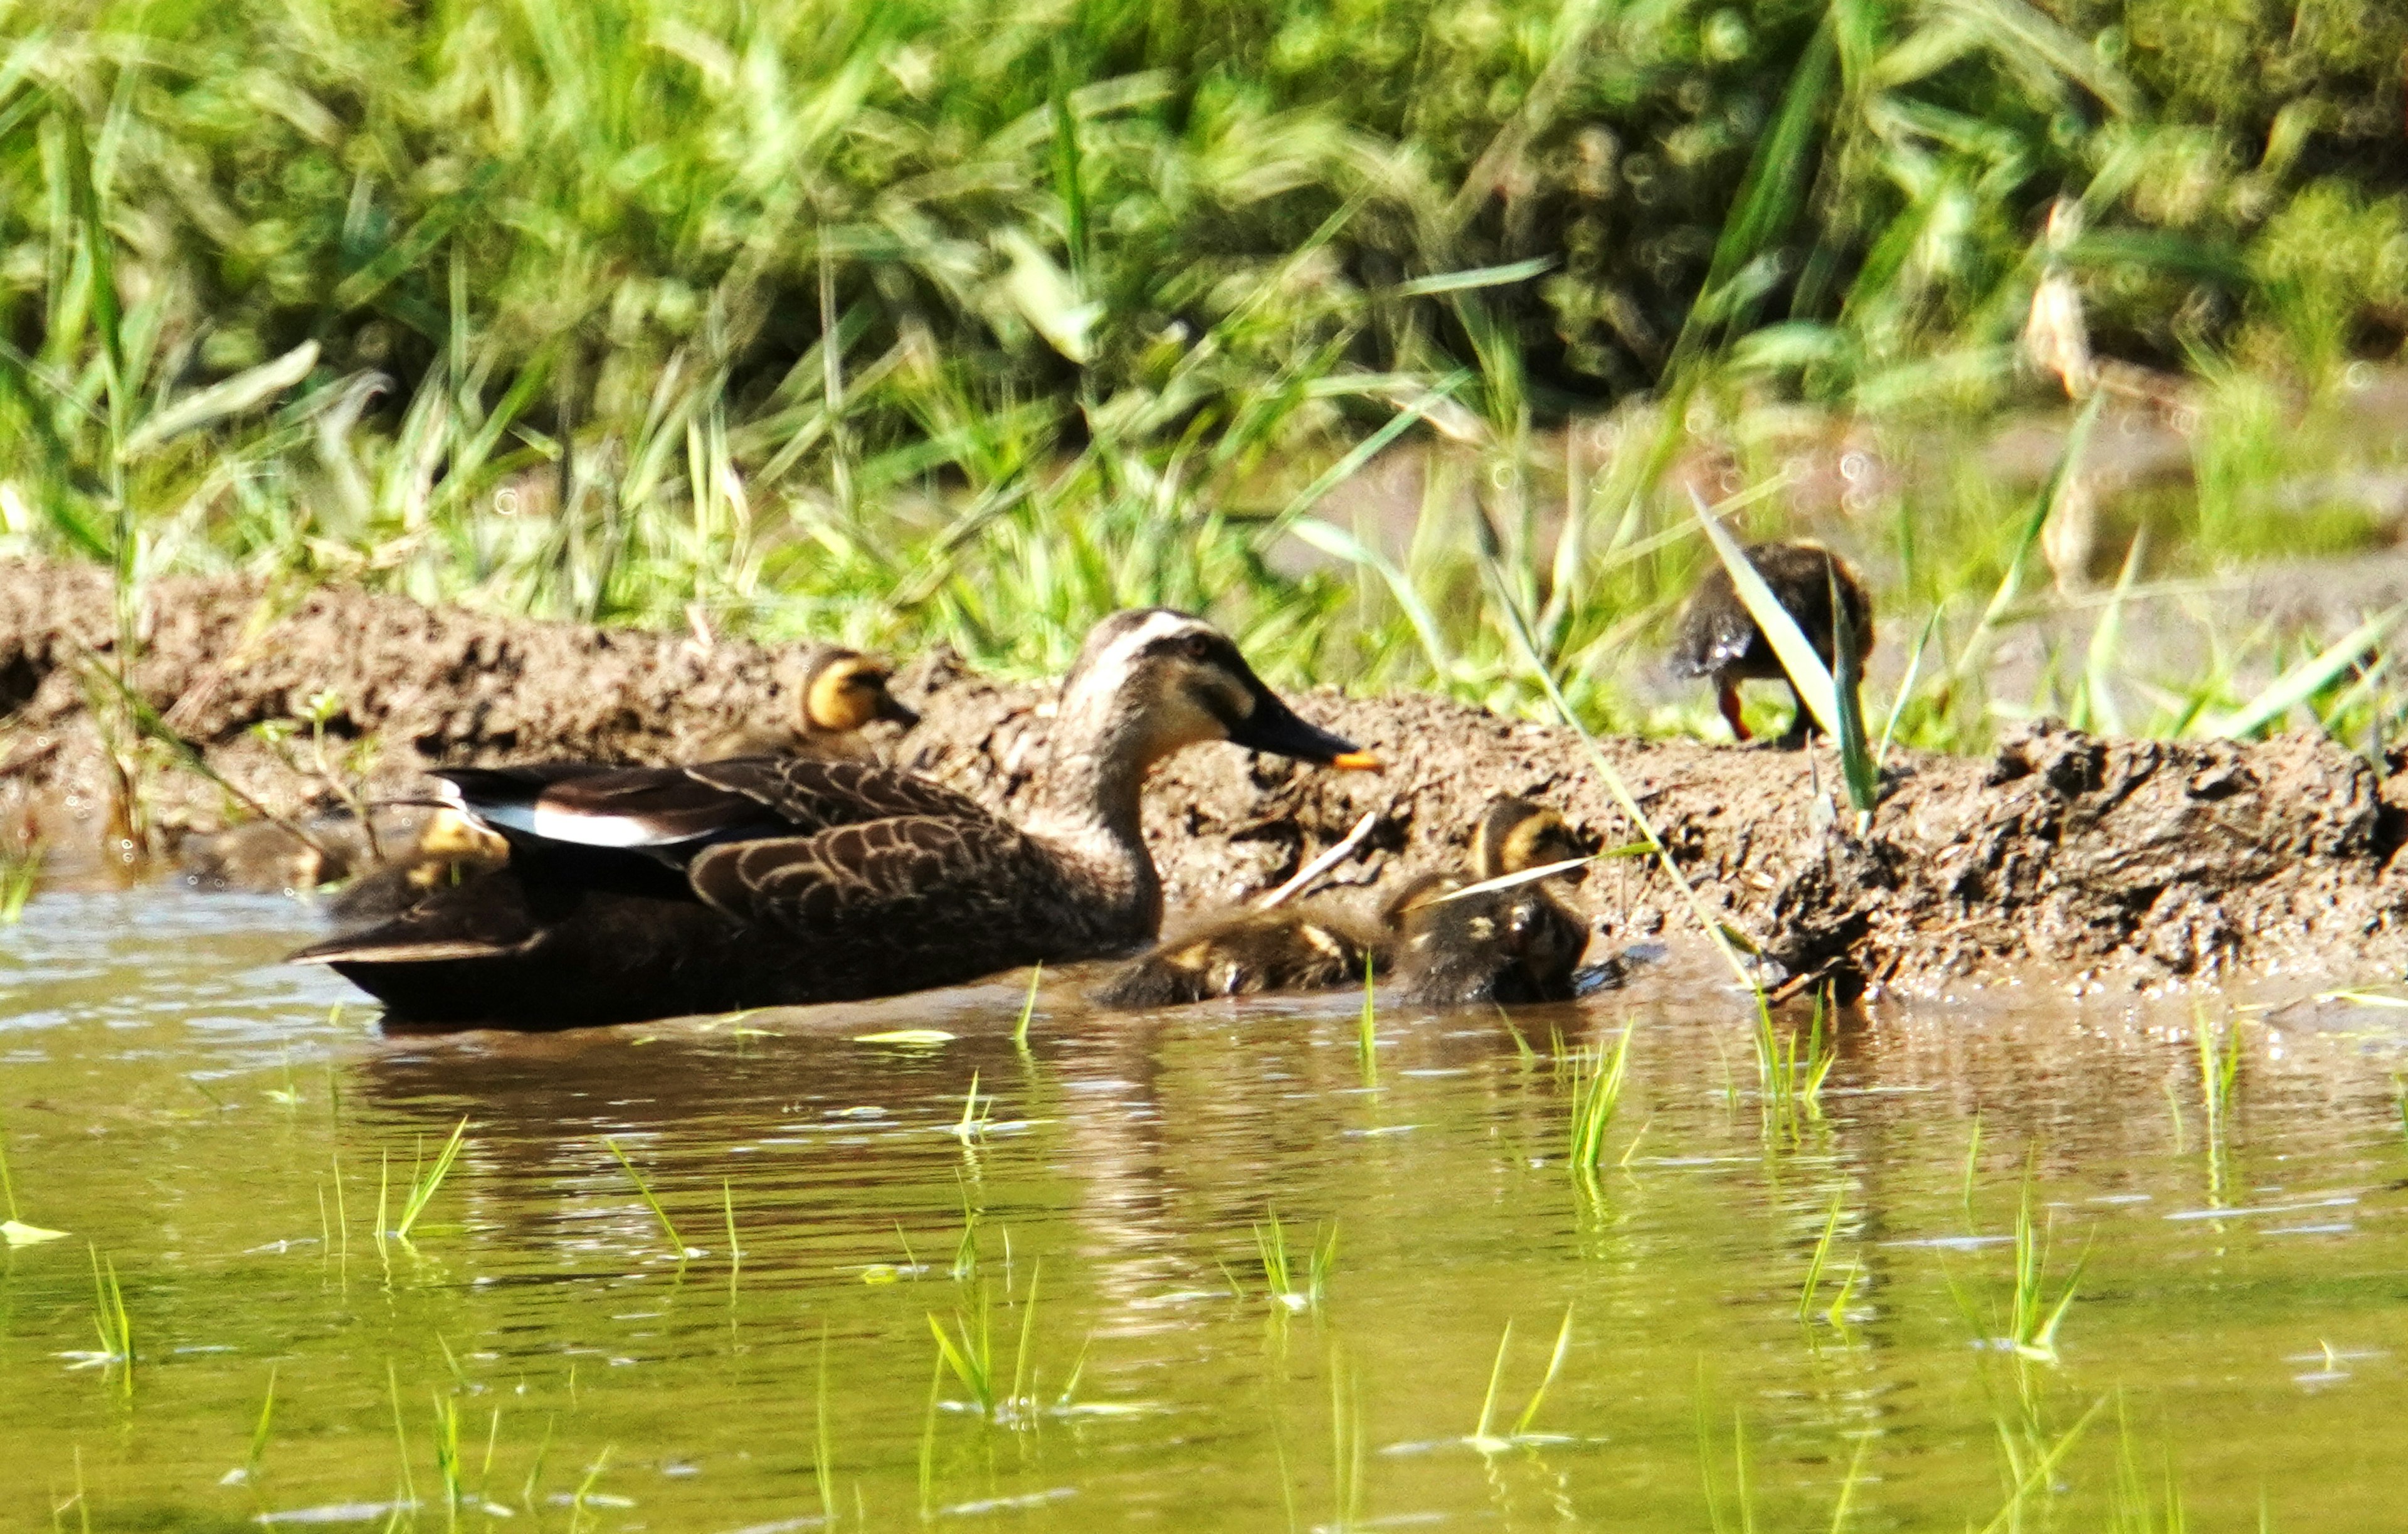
[(423, 1189), (644, 1190)]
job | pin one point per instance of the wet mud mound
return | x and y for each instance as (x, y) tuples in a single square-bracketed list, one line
[(2066, 859)]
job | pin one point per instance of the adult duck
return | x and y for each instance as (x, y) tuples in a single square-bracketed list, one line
[(652, 892), (837, 694)]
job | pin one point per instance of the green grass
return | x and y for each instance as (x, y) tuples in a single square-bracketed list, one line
[(906, 324), (112, 1321), (1292, 1290), (644, 1191), (20, 869), (424, 1186), (2034, 1317), (1598, 1076)]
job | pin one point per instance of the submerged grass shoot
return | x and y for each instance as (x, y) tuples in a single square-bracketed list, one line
[(1482, 1437), (112, 1321), (2034, 1317)]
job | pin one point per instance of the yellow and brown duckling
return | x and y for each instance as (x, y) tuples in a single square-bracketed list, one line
[(1310, 946), (837, 693), (1516, 945), (635, 892), (1520, 943), (448, 849), (1717, 638)]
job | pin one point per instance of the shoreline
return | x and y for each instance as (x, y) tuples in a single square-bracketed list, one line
[(2108, 861)]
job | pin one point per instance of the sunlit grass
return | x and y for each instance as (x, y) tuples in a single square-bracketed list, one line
[(1294, 1288), (1598, 1076), (1046, 330)]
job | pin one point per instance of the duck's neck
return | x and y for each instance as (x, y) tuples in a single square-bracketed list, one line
[(1089, 811)]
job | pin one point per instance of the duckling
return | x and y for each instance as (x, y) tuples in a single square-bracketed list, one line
[(1311, 946), (1318, 945), (448, 849), (1516, 944), (836, 691), (1717, 638), (635, 893), (272, 857)]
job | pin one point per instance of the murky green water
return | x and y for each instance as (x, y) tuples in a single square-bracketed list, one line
[(2238, 1338)]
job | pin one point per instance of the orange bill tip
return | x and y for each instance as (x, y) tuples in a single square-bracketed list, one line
[(1356, 761)]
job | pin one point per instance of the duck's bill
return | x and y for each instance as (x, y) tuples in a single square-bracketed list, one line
[(1274, 727), (889, 709)]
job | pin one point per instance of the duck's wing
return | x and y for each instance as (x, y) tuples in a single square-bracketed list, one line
[(675, 810), (909, 883)]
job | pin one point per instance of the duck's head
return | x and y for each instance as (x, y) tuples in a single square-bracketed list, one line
[(842, 690), (1151, 681), (1514, 836)]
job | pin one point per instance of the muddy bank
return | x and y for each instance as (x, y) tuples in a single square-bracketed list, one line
[(2068, 857)]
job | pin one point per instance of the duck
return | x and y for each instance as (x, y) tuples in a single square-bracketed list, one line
[(1442, 947), (639, 892), (1459, 946), (1717, 638), (837, 693)]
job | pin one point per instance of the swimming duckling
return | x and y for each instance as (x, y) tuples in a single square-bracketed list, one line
[(1516, 944), (449, 848), (836, 691), (635, 892), (273, 858), (1717, 638), (1311, 946)]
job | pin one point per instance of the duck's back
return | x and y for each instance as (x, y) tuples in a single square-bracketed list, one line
[(649, 892)]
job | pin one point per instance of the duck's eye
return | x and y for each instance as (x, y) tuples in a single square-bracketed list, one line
[(1198, 646)]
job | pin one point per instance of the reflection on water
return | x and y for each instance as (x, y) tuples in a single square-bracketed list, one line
[(1085, 1233)]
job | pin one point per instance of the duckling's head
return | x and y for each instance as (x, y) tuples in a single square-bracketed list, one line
[(1150, 681), (449, 834), (1516, 835), (843, 690)]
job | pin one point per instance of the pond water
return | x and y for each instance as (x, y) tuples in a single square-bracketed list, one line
[(539, 1354)]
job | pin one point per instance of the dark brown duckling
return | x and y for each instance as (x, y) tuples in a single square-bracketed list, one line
[(1311, 946), (837, 693), (1516, 944), (639, 893), (1717, 638)]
